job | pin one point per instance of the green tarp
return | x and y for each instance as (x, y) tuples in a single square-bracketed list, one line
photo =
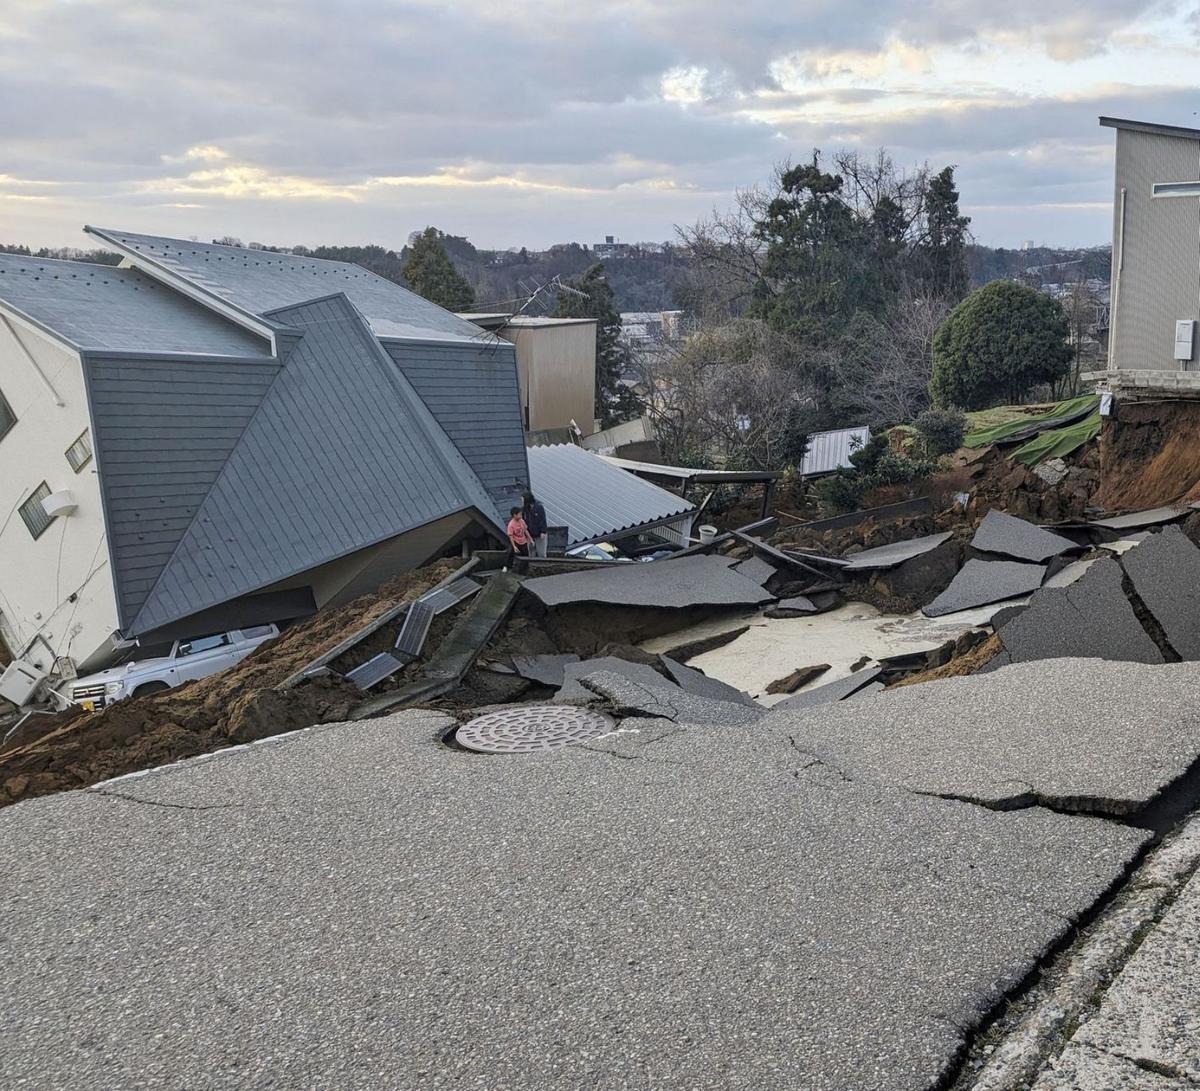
[(1026, 427), (1059, 441)]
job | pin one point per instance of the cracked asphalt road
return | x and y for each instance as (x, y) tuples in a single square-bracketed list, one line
[(358, 907)]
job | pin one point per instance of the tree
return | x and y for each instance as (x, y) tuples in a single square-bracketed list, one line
[(615, 402), (996, 344), (429, 271), (817, 271), (945, 249), (729, 395)]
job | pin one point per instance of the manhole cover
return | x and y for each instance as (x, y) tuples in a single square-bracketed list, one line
[(531, 730)]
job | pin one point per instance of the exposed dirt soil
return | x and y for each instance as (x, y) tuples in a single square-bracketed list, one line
[(960, 665), (1150, 456), (236, 706)]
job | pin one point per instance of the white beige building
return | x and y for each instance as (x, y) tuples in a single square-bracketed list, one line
[(1155, 288), (556, 363)]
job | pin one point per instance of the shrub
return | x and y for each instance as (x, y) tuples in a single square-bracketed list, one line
[(942, 430), (997, 344)]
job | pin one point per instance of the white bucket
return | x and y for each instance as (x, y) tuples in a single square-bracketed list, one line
[(707, 534)]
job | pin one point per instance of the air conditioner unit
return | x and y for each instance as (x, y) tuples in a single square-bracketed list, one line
[(20, 682), (60, 503)]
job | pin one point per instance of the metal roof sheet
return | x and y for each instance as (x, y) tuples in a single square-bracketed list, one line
[(827, 451), (258, 281), (689, 474), (99, 307), (593, 499)]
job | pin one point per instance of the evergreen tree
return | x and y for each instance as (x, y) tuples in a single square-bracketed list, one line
[(615, 402), (817, 272), (429, 271), (946, 245)]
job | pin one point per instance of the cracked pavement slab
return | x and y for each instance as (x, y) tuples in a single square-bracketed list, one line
[(689, 581), (573, 692), (379, 910), (1165, 573), (634, 697), (1006, 534), (895, 553), (980, 583), (1091, 617), (1080, 734), (699, 683)]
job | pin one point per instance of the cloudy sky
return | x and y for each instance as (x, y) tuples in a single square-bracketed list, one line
[(355, 121)]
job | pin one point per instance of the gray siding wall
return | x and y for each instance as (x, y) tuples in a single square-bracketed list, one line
[(473, 393), (161, 431), (341, 455), (1159, 277)]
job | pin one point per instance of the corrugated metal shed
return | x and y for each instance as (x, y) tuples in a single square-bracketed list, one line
[(829, 450), (103, 307), (341, 454), (258, 281), (596, 501)]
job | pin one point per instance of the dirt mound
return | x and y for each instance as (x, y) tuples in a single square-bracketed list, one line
[(1149, 456), (968, 663), (238, 705)]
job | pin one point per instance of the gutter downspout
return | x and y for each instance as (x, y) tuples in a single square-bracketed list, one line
[(32, 362), (1116, 287)]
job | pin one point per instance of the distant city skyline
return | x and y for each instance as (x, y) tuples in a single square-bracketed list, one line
[(321, 124)]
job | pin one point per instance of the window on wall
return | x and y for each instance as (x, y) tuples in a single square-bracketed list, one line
[(79, 454), (34, 514), (1176, 189), (7, 417)]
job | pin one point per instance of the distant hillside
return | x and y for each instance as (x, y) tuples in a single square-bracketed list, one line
[(644, 277), (1039, 263)]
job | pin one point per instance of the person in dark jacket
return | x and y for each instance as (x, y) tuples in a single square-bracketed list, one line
[(535, 520)]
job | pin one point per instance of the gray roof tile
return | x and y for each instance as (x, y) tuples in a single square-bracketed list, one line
[(259, 281), (101, 307)]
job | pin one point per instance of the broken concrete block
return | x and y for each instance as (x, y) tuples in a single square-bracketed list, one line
[(831, 691), (573, 693), (691, 680), (982, 582), (1001, 533), (798, 606), (1052, 471), (1091, 617), (896, 553), (628, 696), (756, 569), (544, 669), (1137, 520), (670, 584), (1165, 573), (801, 676)]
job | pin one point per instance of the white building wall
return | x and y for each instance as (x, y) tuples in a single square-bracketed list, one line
[(56, 592)]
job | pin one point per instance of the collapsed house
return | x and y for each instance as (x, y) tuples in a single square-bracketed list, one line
[(210, 437)]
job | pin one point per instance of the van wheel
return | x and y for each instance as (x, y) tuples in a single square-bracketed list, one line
[(150, 688)]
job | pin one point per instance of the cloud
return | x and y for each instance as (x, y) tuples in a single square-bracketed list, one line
[(560, 121)]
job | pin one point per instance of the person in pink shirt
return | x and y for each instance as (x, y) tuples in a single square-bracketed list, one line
[(518, 532)]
